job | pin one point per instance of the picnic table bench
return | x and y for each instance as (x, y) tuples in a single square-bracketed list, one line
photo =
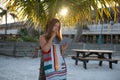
[(85, 56)]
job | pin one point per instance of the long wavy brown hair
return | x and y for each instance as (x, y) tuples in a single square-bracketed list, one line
[(49, 28)]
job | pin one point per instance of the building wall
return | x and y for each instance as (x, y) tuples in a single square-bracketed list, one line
[(109, 33)]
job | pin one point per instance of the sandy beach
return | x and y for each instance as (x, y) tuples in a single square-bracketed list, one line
[(26, 68)]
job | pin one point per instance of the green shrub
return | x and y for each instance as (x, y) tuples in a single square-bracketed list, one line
[(11, 39), (19, 39), (23, 39), (29, 39)]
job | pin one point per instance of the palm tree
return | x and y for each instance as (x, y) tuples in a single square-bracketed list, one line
[(38, 12), (5, 13), (0, 19)]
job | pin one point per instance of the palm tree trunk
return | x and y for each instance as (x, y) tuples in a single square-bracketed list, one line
[(79, 32), (5, 26)]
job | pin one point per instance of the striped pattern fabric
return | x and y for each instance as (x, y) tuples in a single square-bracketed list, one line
[(54, 64)]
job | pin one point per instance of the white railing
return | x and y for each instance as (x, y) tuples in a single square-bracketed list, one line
[(13, 31), (104, 29), (68, 31)]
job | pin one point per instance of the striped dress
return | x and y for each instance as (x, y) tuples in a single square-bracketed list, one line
[(53, 66)]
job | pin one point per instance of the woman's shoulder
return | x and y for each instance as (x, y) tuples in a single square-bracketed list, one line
[(42, 36)]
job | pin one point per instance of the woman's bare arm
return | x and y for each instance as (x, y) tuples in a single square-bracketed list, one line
[(46, 45)]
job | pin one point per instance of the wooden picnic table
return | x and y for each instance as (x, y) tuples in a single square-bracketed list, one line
[(86, 55)]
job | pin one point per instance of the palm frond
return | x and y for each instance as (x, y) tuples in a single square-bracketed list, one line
[(38, 12)]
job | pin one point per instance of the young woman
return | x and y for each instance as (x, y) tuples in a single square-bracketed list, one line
[(53, 66)]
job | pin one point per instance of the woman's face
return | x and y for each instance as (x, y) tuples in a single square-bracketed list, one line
[(56, 27)]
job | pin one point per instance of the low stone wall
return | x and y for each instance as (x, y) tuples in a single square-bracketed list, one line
[(32, 49), (18, 48), (115, 47)]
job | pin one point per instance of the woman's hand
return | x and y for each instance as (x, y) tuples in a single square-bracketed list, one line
[(53, 35), (64, 47)]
